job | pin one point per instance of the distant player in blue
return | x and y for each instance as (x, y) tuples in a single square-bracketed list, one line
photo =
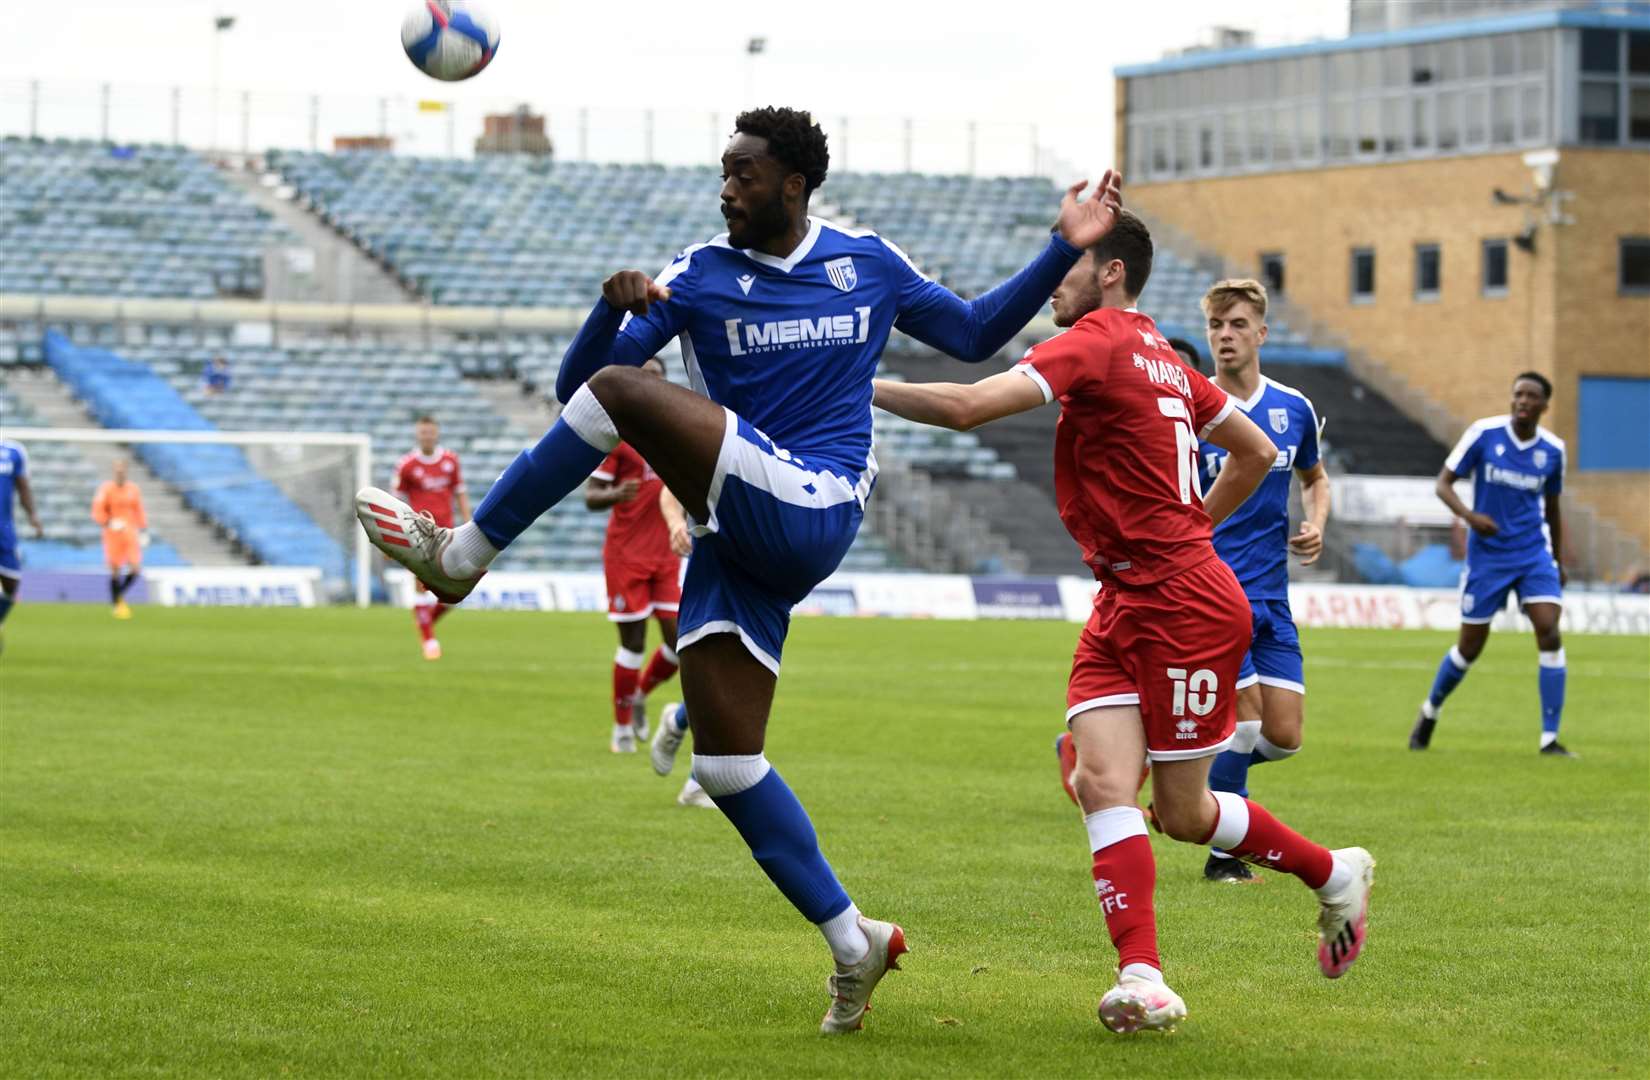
[(1255, 543), (1516, 545), (782, 320), (14, 477)]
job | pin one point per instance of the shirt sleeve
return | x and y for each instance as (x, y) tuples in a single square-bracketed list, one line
[(100, 505), (1210, 404), (1555, 482), (1309, 454), (610, 336), (1069, 362), (1464, 458), (973, 330), (22, 455), (608, 470)]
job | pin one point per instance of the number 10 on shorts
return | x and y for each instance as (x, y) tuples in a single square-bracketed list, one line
[(1196, 691)]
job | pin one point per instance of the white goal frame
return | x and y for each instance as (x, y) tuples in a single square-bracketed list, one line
[(360, 445)]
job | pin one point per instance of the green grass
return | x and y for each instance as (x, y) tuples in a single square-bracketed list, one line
[(239, 843)]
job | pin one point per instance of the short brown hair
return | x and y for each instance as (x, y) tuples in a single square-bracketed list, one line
[(1223, 294), (1130, 242), (426, 418)]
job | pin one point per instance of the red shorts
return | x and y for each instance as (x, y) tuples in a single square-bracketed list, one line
[(1174, 649), (637, 590)]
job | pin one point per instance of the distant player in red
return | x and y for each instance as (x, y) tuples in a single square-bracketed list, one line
[(643, 564), (430, 479), (1156, 668)]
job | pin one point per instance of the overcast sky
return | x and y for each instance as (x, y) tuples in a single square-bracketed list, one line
[(1043, 74)]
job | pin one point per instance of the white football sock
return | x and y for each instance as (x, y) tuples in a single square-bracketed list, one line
[(848, 942), (469, 552), (1141, 971), (1340, 876), (1548, 738)]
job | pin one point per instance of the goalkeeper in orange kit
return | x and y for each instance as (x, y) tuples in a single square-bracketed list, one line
[(118, 507)]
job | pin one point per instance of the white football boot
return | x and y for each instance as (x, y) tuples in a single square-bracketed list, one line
[(412, 539), (667, 741), (638, 717), (694, 795), (623, 740), (1140, 1004), (1343, 918), (851, 986)]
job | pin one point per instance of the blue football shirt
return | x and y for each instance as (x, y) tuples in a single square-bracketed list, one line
[(1254, 541), (14, 462), (1510, 481), (791, 344)]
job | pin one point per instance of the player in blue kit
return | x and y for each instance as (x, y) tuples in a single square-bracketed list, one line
[(1516, 544), (1255, 542), (782, 320), (14, 477)]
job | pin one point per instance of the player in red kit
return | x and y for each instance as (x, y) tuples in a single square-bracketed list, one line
[(430, 479), (643, 568), (1156, 668)]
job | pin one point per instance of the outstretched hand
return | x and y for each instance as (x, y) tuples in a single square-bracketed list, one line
[(1084, 224), (633, 291)]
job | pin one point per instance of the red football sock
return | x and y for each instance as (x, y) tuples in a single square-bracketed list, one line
[(626, 668), (1249, 831), (437, 611), (1125, 876), (421, 617), (659, 669)]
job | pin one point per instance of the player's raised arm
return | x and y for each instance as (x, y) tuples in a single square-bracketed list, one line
[(973, 330), (1249, 458), (599, 341), (958, 406)]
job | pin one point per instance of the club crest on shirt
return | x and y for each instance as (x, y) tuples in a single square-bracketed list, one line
[(1280, 419), (842, 274), (1540, 458)]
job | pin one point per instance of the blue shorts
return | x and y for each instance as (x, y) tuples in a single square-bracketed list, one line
[(778, 526), (1484, 591), (1274, 656), (11, 562)]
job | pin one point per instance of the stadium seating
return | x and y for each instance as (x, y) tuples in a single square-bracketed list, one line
[(151, 221), (63, 482), (216, 480)]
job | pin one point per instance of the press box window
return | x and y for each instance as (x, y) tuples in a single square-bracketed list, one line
[(1363, 275), (1495, 268), (1635, 265), (1428, 271)]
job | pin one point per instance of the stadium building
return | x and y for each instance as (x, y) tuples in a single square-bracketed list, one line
[(1455, 191)]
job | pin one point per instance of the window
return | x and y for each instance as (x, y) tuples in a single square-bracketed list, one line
[(1449, 119), (1638, 114), (1271, 271), (1635, 265), (1340, 130), (1475, 132), (1503, 54), (1600, 51), (1392, 126), (1638, 52), (1532, 114), (1369, 126), (1503, 116), (1231, 142), (1260, 136), (1600, 112), (1428, 271), (1363, 275), (1494, 276), (1283, 135)]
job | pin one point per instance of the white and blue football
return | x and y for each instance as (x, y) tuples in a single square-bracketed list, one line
[(449, 40)]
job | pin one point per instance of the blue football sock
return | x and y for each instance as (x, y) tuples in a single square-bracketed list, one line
[(1230, 772), (544, 474), (1451, 670), (783, 843), (5, 606), (681, 722), (1552, 694)]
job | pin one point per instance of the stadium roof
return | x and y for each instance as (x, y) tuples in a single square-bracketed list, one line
[(1417, 35)]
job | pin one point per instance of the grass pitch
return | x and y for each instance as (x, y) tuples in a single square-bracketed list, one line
[(250, 843)]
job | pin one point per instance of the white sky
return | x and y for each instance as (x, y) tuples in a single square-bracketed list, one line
[(873, 61)]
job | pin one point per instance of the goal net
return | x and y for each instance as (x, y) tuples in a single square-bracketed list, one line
[(254, 507)]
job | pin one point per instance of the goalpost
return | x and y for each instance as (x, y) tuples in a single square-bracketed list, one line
[(316, 473)]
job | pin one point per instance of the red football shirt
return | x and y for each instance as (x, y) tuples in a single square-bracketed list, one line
[(636, 531), (430, 483), (1125, 449)]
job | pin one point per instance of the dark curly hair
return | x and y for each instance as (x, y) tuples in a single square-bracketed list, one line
[(793, 139)]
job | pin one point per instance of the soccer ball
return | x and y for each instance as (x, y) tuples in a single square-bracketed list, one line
[(449, 39)]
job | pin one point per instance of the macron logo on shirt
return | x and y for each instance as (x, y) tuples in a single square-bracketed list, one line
[(747, 337)]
